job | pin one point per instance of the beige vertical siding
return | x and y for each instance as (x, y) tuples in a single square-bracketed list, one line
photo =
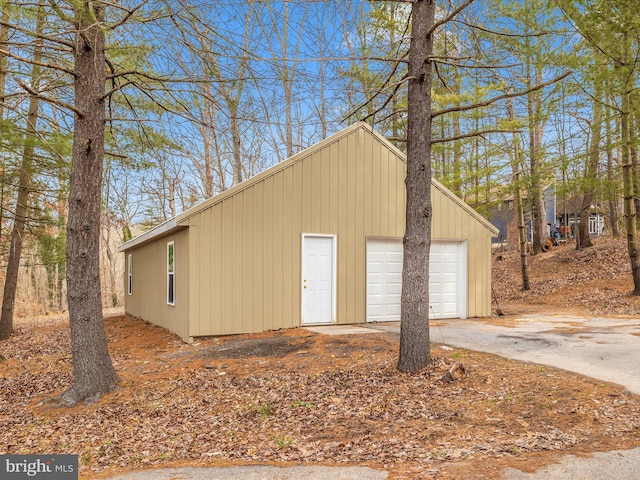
[(149, 299), (245, 245)]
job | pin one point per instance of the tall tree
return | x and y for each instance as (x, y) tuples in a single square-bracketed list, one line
[(414, 317), (583, 239), (612, 28), (93, 370), (517, 200), (536, 47), (414, 329), (24, 188)]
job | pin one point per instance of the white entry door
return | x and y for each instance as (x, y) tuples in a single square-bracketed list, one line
[(447, 279), (318, 289)]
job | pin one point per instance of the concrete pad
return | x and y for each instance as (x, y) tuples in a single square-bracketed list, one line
[(341, 330), (604, 348), (615, 465)]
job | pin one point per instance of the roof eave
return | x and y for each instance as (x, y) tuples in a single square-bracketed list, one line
[(165, 228)]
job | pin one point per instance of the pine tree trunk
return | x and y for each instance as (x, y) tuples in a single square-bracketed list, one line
[(414, 330), (93, 370)]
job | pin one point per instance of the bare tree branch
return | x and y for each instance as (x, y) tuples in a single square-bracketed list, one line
[(445, 61), (31, 62), (500, 97), (53, 101), (449, 17), (36, 34), (118, 87), (503, 34), (128, 15), (471, 135)]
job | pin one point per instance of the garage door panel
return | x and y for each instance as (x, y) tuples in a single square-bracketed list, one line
[(384, 280)]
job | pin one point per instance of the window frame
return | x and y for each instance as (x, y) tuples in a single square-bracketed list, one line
[(171, 273), (130, 274)]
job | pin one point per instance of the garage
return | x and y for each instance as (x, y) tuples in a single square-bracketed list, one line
[(315, 239), (447, 279)]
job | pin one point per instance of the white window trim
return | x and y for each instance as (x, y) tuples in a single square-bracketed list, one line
[(171, 275), (130, 274)]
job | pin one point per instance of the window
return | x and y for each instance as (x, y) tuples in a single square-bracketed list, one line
[(171, 299), (130, 274)]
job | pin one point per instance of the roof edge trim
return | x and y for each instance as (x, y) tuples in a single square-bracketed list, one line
[(163, 229)]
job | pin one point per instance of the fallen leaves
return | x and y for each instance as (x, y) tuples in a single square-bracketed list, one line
[(318, 400), (593, 281)]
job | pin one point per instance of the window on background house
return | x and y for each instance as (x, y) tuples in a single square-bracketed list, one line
[(130, 274), (171, 299)]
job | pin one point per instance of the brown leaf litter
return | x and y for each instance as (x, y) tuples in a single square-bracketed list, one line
[(296, 397)]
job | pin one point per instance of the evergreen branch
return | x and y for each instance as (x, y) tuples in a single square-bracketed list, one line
[(500, 97)]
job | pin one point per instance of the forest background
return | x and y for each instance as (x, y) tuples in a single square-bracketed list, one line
[(206, 94)]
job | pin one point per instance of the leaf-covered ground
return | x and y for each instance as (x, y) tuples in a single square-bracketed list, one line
[(298, 397), (591, 281)]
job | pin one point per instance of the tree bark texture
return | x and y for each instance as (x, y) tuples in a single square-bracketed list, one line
[(591, 174), (24, 190), (629, 204), (539, 221), (613, 204), (625, 71), (517, 198), (93, 370), (414, 328)]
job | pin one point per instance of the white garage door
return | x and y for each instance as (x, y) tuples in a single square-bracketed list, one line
[(447, 280)]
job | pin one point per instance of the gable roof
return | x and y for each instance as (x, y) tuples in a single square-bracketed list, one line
[(181, 221)]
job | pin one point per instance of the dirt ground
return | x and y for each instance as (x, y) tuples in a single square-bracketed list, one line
[(293, 396)]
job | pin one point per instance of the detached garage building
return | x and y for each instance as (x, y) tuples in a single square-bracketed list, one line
[(316, 239)]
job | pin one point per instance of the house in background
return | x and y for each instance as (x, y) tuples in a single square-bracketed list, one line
[(559, 213), (314, 240)]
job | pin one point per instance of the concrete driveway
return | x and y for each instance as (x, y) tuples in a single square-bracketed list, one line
[(604, 348)]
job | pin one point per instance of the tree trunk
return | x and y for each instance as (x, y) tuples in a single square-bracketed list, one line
[(591, 174), (538, 213), (414, 329), (613, 207), (24, 190), (635, 163), (522, 234), (93, 370), (4, 37)]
